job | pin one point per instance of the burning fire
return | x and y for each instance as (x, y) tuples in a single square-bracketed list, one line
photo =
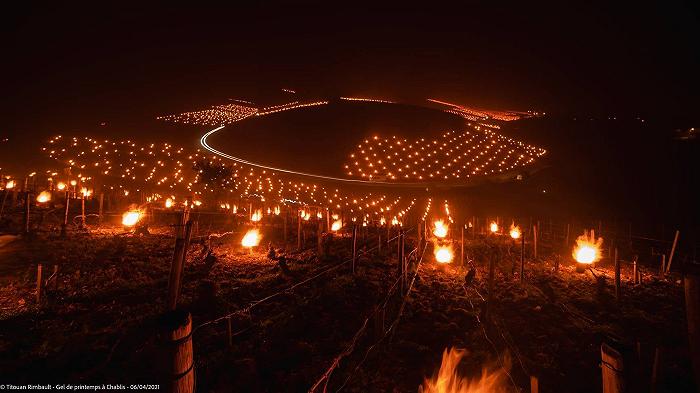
[(448, 379), (43, 197), (443, 254), (257, 216), (395, 221), (61, 186), (277, 210), (337, 224), (515, 232), (493, 227), (251, 238), (131, 218), (440, 229), (10, 185), (587, 249)]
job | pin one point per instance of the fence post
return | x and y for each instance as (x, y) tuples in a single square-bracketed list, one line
[(177, 266), (354, 247), (612, 367), (179, 351), (65, 216), (673, 251), (38, 283), (534, 238)]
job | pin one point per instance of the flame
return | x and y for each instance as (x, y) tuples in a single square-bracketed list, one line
[(169, 203), (73, 183), (257, 216), (493, 227), (515, 232), (235, 209), (10, 185), (319, 215), (443, 254), (448, 379), (335, 216), (337, 224), (382, 221), (43, 197), (395, 221), (130, 218), (277, 210), (61, 186), (85, 192), (251, 238), (440, 229), (587, 249)]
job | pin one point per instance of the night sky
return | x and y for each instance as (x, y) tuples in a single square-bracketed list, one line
[(67, 64)]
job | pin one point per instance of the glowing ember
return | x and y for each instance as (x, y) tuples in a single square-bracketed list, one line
[(257, 216), (61, 186), (251, 238), (587, 249), (443, 254), (515, 232), (131, 218), (440, 229), (448, 380), (493, 227), (43, 197), (337, 224)]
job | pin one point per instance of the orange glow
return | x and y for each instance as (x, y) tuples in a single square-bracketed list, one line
[(587, 249), (440, 229), (257, 216), (448, 379), (43, 197), (10, 185), (337, 224), (443, 254), (515, 232), (251, 238), (131, 218), (493, 227), (61, 186), (169, 203)]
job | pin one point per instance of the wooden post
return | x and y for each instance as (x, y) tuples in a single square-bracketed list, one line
[(354, 247), (102, 198), (634, 270), (38, 283), (180, 353), (692, 311), (319, 238), (177, 266), (522, 256), (379, 243), (534, 239), (328, 220), (673, 251), (65, 215), (534, 384), (655, 370), (461, 247), (617, 276), (298, 230), (82, 212), (612, 368)]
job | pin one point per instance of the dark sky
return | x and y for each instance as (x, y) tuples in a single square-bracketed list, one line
[(65, 63)]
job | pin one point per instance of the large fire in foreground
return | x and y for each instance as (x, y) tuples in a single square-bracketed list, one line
[(588, 249), (448, 380)]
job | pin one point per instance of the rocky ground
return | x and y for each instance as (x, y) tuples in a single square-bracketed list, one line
[(98, 321)]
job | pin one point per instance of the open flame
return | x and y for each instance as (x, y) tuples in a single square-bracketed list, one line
[(131, 218), (440, 229), (395, 221), (277, 210), (493, 227), (169, 203), (43, 197), (587, 249), (337, 224), (251, 238), (443, 254), (515, 231), (61, 186), (257, 216), (448, 379), (10, 185), (382, 221)]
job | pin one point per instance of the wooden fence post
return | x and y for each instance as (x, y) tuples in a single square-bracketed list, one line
[(38, 283), (354, 247), (179, 352), (534, 384), (612, 368), (673, 251), (64, 227), (534, 241), (177, 266)]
